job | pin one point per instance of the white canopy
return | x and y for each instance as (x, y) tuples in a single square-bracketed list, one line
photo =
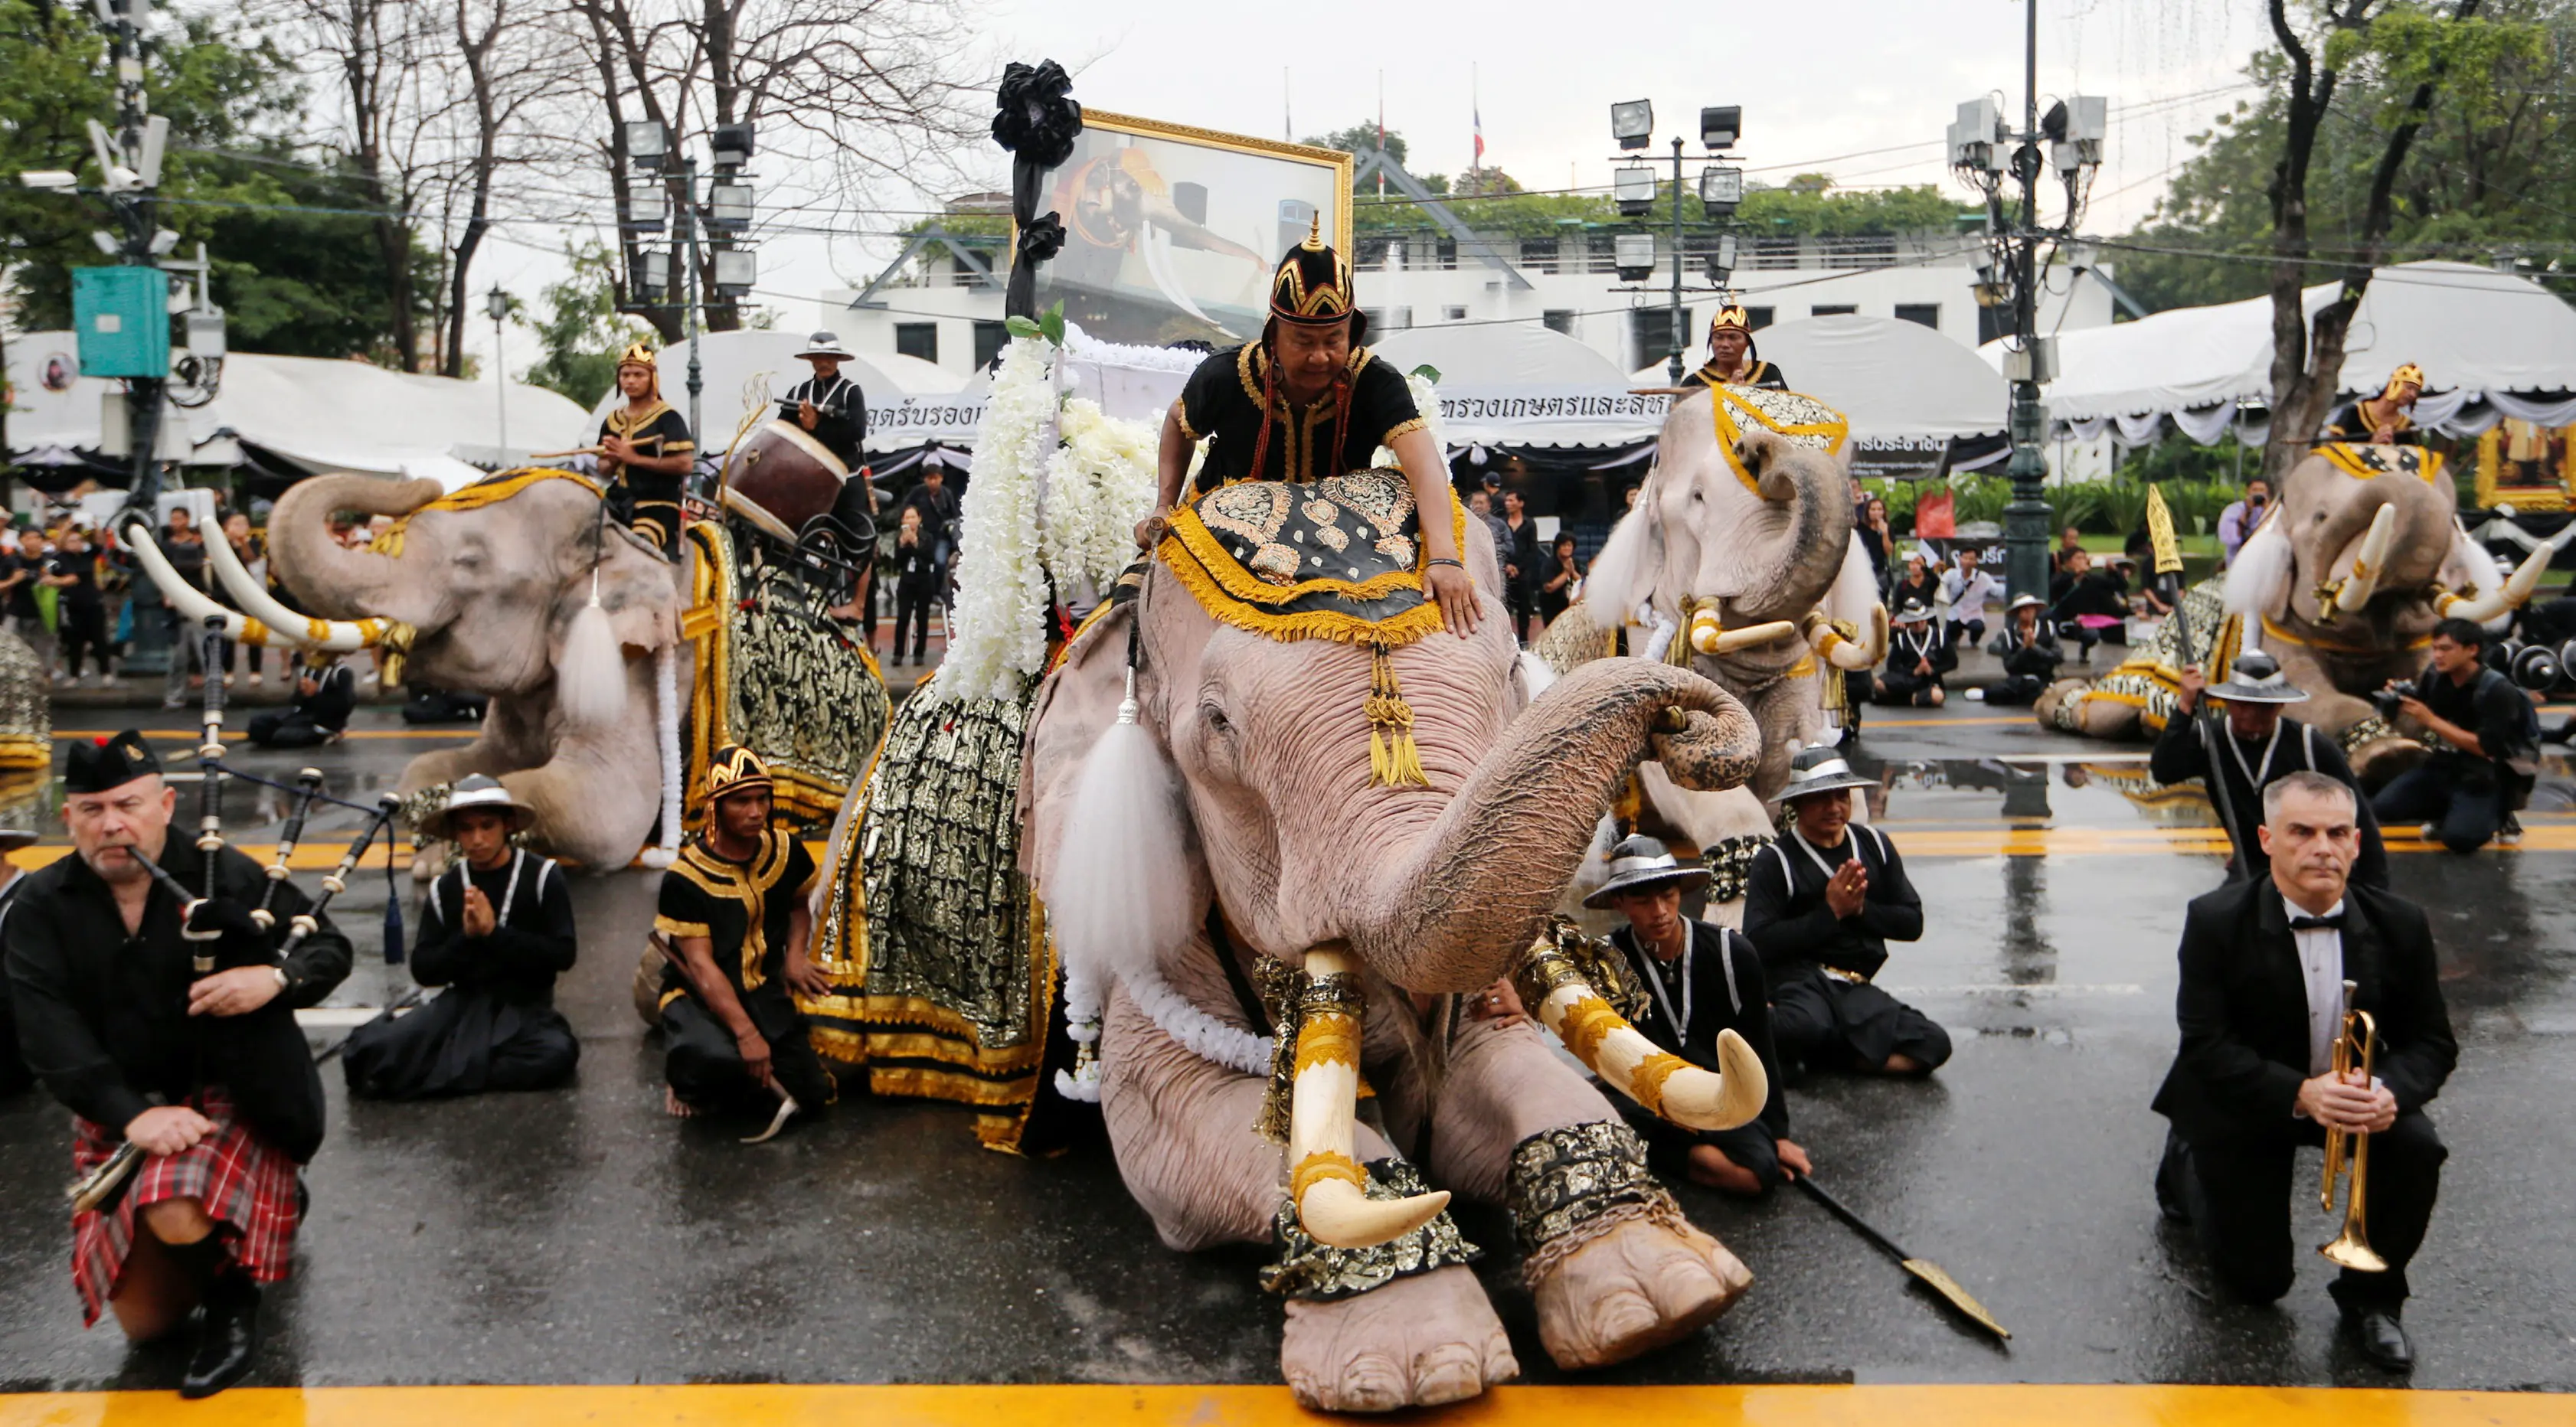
[(1516, 384), (320, 415), (2479, 335), (910, 401), (1895, 381)]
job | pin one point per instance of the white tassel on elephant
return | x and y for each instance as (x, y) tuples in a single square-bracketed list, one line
[(590, 679), (666, 731)]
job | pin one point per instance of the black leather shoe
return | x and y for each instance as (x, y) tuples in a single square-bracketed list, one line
[(227, 1337), (2380, 1339)]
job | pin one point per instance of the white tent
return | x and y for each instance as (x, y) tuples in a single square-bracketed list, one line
[(1519, 384), (303, 411), (2492, 344), (1894, 381), (910, 401)]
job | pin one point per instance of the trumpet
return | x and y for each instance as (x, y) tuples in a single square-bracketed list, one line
[(2356, 1046)]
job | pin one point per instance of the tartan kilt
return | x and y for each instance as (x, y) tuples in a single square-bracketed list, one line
[(247, 1188)]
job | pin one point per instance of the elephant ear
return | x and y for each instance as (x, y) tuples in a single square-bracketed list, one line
[(1631, 564), (637, 587)]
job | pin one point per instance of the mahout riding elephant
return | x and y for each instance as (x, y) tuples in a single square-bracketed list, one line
[(1233, 824), (1741, 544), (483, 591), (2342, 582)]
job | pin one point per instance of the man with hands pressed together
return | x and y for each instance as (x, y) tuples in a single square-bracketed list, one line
[(648, 450), (206, 1073), (1821, 904), (1700, 980), (733, 908), (1307, 402), (2263, 969)]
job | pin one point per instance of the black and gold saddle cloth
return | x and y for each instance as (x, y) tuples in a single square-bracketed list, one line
[(1339, 559), (2364, 461)]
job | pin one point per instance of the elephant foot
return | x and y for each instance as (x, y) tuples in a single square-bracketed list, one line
[(427, 862), (1416, 1342), (1640, 1286), (2381, 759)]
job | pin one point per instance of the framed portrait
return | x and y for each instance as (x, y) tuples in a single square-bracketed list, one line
[(2525, 466), (1172, 233)]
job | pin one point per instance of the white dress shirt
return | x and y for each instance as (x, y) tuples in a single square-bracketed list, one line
[(2321, 963), (1969, 594)]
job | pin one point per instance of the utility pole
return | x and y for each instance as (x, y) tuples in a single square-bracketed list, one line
[(133, 208), (1980, 146), (1673, 364), (1721, 188)]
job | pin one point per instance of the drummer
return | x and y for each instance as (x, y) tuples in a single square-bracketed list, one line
[(647, 450), (828, 405)]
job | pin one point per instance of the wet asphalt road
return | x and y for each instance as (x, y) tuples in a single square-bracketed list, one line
[(581, 1237)]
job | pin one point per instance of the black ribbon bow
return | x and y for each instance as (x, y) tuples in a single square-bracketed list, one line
[(2317, 924)]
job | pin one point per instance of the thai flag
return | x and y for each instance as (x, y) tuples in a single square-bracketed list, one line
[(1479, 112)]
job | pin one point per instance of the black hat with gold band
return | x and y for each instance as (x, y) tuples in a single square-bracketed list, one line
[(1313, 286), (734, 770), (1731, 317)]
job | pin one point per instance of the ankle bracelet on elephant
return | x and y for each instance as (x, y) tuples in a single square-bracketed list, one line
[(1574, 1184), (1317, 1271)]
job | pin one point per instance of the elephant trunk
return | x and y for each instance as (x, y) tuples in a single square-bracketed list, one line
[(1809, 553), (1464, 907), (327, 577)]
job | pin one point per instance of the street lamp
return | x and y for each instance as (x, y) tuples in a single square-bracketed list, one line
[(729, 202), (1983, 151), (648, 143), (497, 303), (1721, 188), (1719, 128), (1633, 254), (1633, 187)]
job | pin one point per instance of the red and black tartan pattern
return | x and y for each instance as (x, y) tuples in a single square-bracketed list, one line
[(247, 1188)]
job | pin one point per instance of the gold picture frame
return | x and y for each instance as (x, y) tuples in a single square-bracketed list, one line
[(1172, 232), (2529, 450)]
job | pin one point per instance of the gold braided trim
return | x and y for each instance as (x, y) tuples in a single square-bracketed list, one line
[(316, 630), (1341, 628), (1728, 433), (1332, 1039), (20, 750), (1646, 1086), (252, 631), (475, 497), (2273, 630), (1322, 1165), (2344, 457), (1588, 1022)]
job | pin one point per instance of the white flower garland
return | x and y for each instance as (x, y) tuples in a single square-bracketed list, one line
[(1426, 403), (1053, 494), (1203, 1035)]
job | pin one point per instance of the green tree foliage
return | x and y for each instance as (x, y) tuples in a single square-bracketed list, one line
[(294, 276), (581, 328), (2492, 169), (1360, 140)]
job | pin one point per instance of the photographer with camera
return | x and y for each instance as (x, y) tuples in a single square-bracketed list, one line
[(2483, 734), (2239, 519)]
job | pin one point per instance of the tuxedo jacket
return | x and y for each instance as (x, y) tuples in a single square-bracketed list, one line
[(2243, 1007)]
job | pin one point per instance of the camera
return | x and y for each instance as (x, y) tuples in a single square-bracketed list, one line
[(2387, 699)]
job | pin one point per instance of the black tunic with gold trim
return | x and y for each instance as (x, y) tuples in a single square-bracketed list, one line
[(657, 430), (2352, 424), (1761, 374), (1224, 400), (744, 910)]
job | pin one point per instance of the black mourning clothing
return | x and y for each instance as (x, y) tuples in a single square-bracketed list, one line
[(840, 414), (2030, 665), (1909, 647), (495, 1027), (310, 719), (14, 1074), (744, 910), (2350, 423), (1759, 374), (103, 1016), (1715, 985), (1223, 400), (2187, 746), (653, 496), (1824, 1012), (2232, 1092)]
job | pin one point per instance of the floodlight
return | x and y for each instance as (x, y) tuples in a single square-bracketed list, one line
[(736, 270), (648, 143), (732, 145), (729, 206), (49, 178), (1720, 128), (1633, 186), (1633, 254), (652, 273), (1720, 190), (1632, 122)]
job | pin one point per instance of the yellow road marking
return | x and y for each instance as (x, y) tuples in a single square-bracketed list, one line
[(1869, 722), (320, 853), (189, 735), (1948, 1405)]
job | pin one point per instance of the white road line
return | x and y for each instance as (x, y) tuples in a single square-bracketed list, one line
[(2046, 988)]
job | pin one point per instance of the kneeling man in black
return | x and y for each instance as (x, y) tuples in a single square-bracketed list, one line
[(2263, 970)]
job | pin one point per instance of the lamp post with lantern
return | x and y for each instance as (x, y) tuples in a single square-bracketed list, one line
[(497, 304), (1721, 188)]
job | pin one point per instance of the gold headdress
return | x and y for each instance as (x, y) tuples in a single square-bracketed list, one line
[(1731, 318), (2405, 373), (735, 769), (640, 354), (1313, 284)]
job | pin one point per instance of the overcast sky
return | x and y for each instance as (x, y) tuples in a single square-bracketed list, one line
[(1860, 89)]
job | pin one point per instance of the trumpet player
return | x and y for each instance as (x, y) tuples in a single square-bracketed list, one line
[(205, 1072), (2262, 1006)]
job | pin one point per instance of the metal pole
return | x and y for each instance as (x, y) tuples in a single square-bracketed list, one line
[(134, 214), (2026, 518), (1673, 367), (500, 385), (697, 297)]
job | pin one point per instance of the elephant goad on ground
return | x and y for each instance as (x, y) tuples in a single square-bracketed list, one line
[(1327, 818), (2342, 582), (488, 584), (1741, 545)]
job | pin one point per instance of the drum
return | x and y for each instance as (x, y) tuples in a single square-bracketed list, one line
[(786, 472)]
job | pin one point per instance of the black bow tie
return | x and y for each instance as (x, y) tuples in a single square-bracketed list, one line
[(2317, 924)]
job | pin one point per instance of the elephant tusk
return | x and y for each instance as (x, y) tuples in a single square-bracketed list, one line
[(2492, 604), (192, 604), (1327, 1184), (1709, 635), (2363, 582), (1660, 1082), (1828, 641), (338, 636)]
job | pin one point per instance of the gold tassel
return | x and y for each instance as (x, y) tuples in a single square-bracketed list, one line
[(1394, 760)]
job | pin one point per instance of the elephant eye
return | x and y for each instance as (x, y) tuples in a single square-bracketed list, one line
[(1213, 715), (1697, 498)]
